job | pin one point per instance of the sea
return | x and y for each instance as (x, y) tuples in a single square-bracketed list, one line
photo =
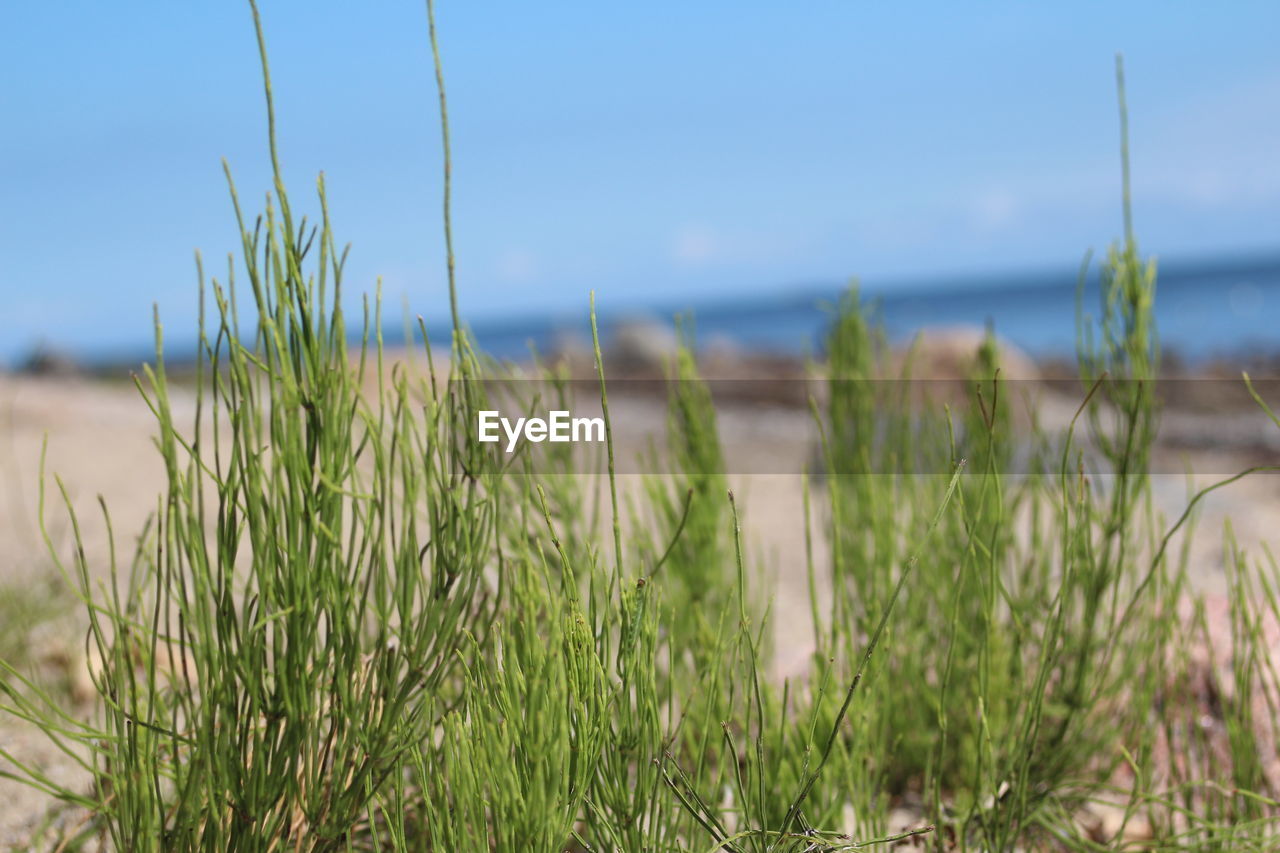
[(1226, 308), (1220, 309)]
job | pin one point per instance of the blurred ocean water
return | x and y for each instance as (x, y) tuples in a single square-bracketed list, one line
[(1223, 309), (1229, 308)]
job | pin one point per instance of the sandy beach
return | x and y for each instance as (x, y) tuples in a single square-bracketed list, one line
[(98, 439)]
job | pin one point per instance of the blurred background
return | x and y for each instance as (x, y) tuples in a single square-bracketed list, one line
[(742, 160)]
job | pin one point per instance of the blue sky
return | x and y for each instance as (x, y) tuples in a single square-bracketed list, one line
[(664, 153)]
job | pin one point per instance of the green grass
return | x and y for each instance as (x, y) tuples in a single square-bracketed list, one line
[(350, 628), (38, 633)]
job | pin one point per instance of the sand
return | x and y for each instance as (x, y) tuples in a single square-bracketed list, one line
[(99, 441)]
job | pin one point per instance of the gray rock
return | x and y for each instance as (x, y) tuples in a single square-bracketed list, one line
[(948, 352), (641, 344), (47, 361)]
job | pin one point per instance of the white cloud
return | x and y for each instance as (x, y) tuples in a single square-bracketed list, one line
[(516, 266), (1214, 150), (695, 245), (698, 245), (995, 210)]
